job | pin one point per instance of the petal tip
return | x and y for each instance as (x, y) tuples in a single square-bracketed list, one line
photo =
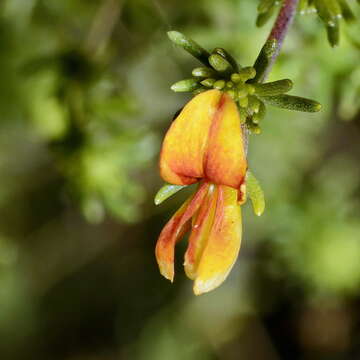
[(201, 286)]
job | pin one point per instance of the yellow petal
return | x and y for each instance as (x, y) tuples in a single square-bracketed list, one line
[(201, 228), (184, 146), (223, 245), (173, 231), (225, 157)]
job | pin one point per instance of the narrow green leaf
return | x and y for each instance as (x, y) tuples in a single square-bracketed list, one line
[(264, 17), (185, 85), (263, 60), (292, 103), (273, 88), (256, 193), (166, 191), (333, 34), (324, 12), (265, 6), (347, 13), (203, 72), (189, 45)]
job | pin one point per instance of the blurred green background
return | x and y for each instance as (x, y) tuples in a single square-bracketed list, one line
[(84, 103)]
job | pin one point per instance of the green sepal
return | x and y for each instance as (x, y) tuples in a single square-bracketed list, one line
[(222, 52), (247, 73), (189, 45), (166, 191), (295, 103), (263, 60), (255, 192), (203, 72), (220, 64), (273, 88), (185, 85)]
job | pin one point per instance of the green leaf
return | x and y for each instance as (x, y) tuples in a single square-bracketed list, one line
[(256, 193), (185, 85), (265, 6), (189, 45), (203, 72), (264, 17), (333, 34), (263, 60), (166, 191), (295, 103), (273, 88), (347, 13)]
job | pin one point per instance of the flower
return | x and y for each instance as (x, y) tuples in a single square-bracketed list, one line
[(205, 144)]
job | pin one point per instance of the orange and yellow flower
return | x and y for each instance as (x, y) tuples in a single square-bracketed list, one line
[(205, 144)]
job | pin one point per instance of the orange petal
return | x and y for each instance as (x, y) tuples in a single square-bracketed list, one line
[(223, 244), (201, 228), (184, 146), (174, 229), (225, 159)]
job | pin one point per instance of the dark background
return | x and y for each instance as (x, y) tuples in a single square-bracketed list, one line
[(84, 103)]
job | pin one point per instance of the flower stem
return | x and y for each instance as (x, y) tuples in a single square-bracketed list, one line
[(280, 29)]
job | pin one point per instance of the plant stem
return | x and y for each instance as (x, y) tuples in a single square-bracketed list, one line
[(277, 35), (280, 29)]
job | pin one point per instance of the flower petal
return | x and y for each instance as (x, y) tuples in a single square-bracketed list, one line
[(201, 228), (223, 245), (225, 156), (173, 231), (184, 146)]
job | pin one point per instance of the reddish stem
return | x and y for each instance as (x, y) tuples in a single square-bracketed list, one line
[(279, 30)]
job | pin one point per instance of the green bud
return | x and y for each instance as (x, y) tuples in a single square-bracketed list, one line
[(250, 89), (189, 45), (166, 191), (254, 104), (219, 84), (295, 103), (242, 90), (273, 88), (263, 60), (185, 85), (208, 82), (254, 128), (244, 102), (223, 53), (257, 117), (236, 78), (232, 93), (219, 63), (229, 84), (247, 73), (203, 72), (256, 194)]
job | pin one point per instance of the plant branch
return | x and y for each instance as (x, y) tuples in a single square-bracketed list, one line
[(279, 31)]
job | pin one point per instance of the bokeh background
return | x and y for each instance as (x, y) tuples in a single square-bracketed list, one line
[(84, 103)]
